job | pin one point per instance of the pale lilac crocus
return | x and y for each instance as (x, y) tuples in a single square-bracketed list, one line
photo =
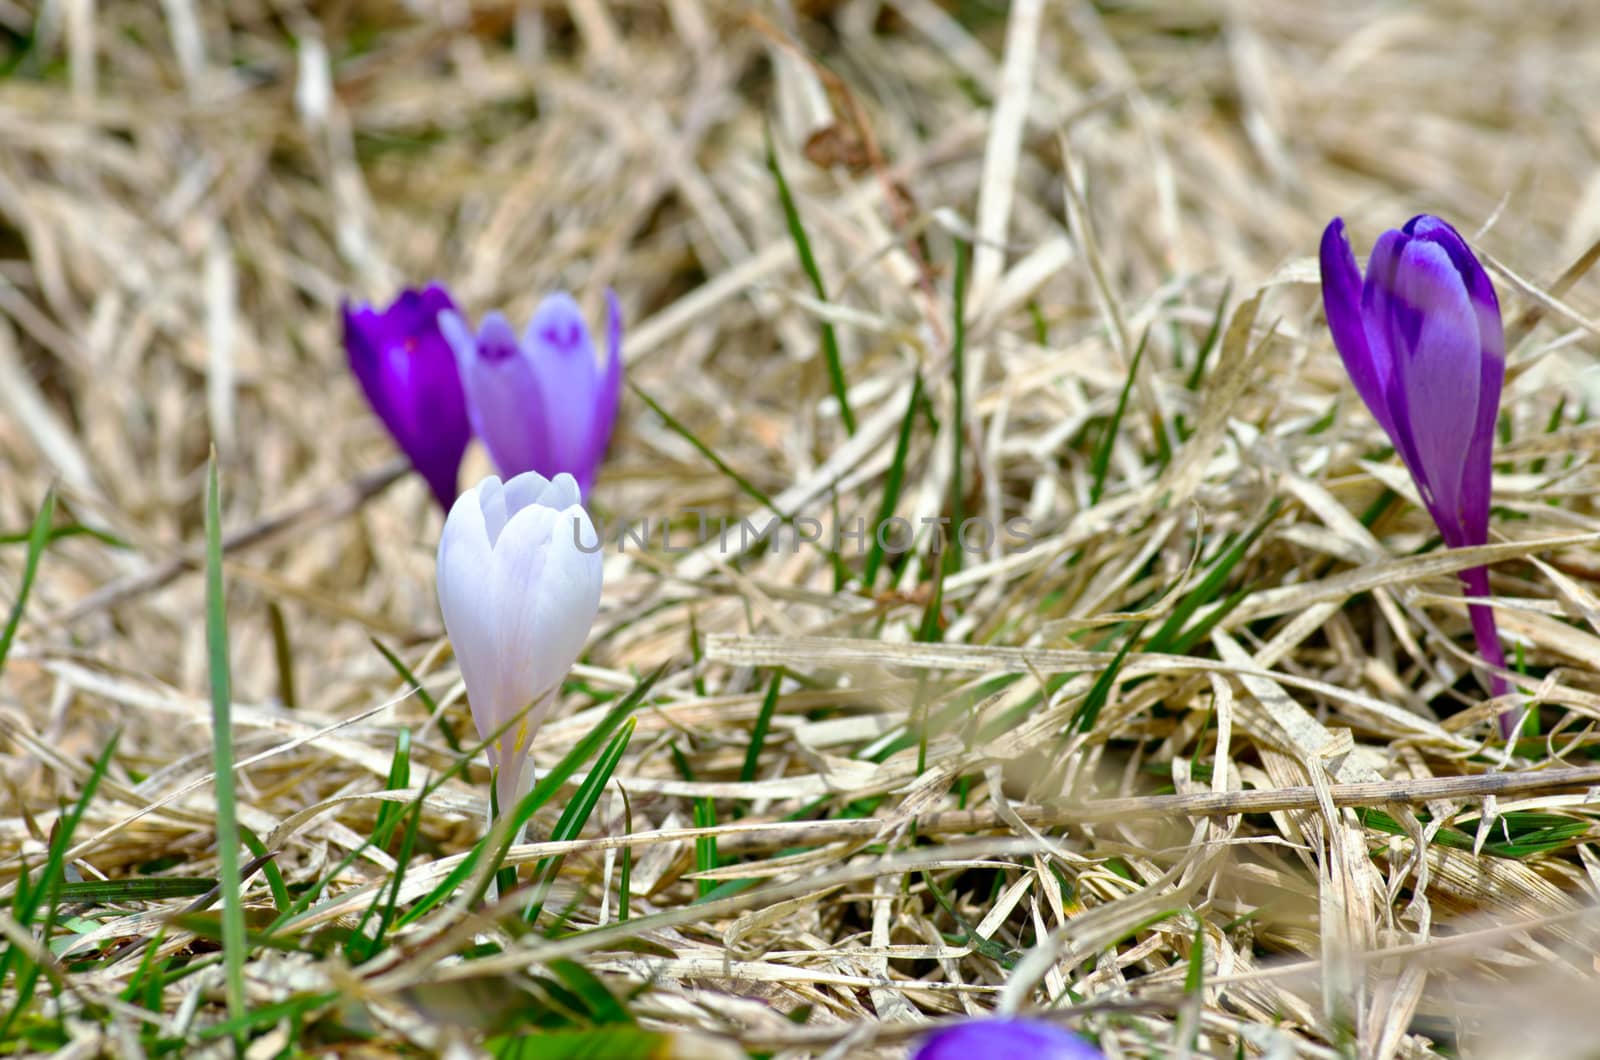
[(1005, 1039), (1422, 341), (408, 372), (519, 586), (543, 403)]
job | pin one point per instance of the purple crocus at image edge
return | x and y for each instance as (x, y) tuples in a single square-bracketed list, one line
[(408, 372), (1422, 341), (542, 402), (1005, 1039)]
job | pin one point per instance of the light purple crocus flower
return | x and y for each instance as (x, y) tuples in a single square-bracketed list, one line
[(1422, 340), (409, 375), (1005, 1039), (519, 585), (542, 404)]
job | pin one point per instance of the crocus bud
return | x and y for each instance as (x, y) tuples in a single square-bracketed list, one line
[(542, 404), (1422, 340), (409, 375), (1005, 1039), (519, 585)]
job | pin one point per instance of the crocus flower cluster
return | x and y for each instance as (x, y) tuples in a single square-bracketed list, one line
[(1005, 1039), (1422, 341), (519, 585), (539, 404)]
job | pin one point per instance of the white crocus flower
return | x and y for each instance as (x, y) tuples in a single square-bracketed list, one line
[(519, 595)]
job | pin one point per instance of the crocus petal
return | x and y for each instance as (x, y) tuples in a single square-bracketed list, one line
[(610, 392), (503, 394), (1005, 1039), (1476, 473), (544, 597), (558, 345), (464, 598), (409, 376), (1440, 372), (1367, 360)]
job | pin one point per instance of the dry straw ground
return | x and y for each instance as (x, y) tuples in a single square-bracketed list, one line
[(1232, 619)]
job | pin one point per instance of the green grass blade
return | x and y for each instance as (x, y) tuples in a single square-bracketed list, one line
[(38, 538), (1210, 343), (282, 656), (577, 813), (389, 813), (46, 893), (423, 694), (758, 734), (233, 926), (135, 889), (625, 873), (1203, 593), (1101, 463), (1088, 712), (808, 264), (504, 833), (892, 484), (705, 848), (269, 869), (706, 451)]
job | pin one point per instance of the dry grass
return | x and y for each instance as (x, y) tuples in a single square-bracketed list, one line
[(187, 190)]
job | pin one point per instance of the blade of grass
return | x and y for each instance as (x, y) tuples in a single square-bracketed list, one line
[(389, 813), (1088, 712), (374, 944), (269, 869), (1210, 342), (758, 734), (423, 694), (706, 451), (46, 893), (1101, 462), (625, 873), (282, 655), (808, 264), (891, 485), (1209, 586), (233, 926), (576, 815), (134, 889), (544, 789), (38, 538)]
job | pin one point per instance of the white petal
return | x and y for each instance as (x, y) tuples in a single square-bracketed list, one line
[(492, 500), (516, 587), (546, 592), (465, 600), (527, 488), (563, 492)]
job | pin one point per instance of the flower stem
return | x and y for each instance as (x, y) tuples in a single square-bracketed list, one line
[(1487, 634)]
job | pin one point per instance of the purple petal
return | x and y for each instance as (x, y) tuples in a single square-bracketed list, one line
[(610, 391), (409, 376), (1476, 474), (1440, 374), (1367, 362), (504, 395), (558, 345), (1005, 1039)]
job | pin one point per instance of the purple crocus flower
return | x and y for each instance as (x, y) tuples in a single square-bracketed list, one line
[(1423, 343), (409, 375), (1005, 1039), (542, 404)]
